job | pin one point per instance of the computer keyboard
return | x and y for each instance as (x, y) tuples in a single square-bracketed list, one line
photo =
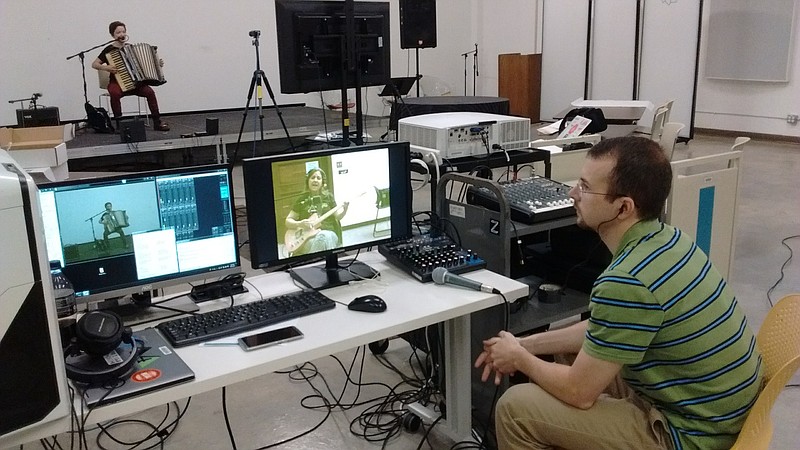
[(247, 316)]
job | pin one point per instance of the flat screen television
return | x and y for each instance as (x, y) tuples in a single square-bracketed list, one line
[(134, 233), (318, 204), (312, 50)]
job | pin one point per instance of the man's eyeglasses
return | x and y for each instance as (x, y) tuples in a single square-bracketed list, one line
[(583, 189)]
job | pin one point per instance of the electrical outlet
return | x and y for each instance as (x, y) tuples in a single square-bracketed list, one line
[(791, 119)]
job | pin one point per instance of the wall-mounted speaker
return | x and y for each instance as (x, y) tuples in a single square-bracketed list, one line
[(417, 23)]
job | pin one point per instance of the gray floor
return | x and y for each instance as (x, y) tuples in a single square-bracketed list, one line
[(268, 409)]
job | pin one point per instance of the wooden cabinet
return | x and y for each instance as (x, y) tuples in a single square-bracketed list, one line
[(520, 81)]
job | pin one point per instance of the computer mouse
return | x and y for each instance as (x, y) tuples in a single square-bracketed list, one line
[(367, 303)]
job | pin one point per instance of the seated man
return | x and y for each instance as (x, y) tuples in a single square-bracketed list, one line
[(666, 359)]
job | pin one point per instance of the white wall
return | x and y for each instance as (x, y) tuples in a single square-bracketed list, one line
[(210, 60)]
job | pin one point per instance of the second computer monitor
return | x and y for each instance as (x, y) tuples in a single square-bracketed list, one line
[(306, 206)]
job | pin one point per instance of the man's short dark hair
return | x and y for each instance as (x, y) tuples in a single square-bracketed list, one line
[(641, 172), (113, 26)]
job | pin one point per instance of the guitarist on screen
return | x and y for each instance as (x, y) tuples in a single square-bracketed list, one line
[(306, 233)]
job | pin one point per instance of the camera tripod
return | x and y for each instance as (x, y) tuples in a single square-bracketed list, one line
[(255, 86)]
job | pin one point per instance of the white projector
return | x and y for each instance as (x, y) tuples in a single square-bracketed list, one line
[(460, 134)]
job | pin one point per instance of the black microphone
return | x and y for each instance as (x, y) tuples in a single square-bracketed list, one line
[(441, 275)]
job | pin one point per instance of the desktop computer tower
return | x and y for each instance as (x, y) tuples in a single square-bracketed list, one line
[(33, 382)]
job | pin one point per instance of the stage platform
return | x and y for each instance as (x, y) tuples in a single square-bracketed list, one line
[(184, 143)]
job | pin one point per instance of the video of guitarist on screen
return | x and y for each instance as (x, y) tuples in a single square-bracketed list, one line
[(314, 223)]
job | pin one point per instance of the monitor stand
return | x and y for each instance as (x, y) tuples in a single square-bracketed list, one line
[(332, 273)]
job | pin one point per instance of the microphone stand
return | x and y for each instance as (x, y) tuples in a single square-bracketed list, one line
[(31, 99), (474, 68), (474, 54), (97, 243), (81, 54)]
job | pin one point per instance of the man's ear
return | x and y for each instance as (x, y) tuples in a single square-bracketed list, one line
[(626, 208)]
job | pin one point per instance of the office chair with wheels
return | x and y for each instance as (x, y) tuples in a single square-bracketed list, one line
[(779, 343), (103, 78)]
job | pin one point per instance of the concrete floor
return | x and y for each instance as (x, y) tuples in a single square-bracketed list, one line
[(268, 409)]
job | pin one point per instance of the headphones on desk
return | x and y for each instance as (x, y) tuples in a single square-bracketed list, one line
[(103, 349)]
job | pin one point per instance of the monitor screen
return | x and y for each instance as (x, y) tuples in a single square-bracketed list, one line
[(312, 50), (134, 233), (306, 206)]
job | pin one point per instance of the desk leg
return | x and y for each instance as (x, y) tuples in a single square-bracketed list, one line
[(458, 364)]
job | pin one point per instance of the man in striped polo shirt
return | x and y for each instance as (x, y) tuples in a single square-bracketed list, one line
[(666, 359)]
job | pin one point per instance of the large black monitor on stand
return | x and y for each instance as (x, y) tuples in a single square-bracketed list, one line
[(304, 207), (330, 45)]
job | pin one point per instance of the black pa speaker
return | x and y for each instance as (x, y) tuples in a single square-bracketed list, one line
[(417, 23), (212, 126), (132, 131)]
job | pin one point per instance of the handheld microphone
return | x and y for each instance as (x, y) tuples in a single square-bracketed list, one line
[(441, 275)]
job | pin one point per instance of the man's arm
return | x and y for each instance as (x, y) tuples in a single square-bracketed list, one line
[(566, 340), (578, 385)]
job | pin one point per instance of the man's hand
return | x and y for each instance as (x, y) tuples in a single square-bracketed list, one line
[(111, 68), (500, 355)]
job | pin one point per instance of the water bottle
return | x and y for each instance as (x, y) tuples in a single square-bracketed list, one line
[(65, 302)]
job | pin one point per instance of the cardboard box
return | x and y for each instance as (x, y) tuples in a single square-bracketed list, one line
[(38, 147), (32, 138), (46, 174)]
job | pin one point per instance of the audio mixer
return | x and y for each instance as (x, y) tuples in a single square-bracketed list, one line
[(531, 200), (419, 255)]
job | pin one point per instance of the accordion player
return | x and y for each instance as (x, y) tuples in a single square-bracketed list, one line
[(136, 63)]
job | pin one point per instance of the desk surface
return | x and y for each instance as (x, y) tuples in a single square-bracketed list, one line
[(411, 305)]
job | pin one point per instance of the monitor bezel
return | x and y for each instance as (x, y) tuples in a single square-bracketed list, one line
[(164, 281), (264, 252)]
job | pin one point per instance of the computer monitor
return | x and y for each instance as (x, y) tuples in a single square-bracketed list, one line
[(318, 204), (128, 234), (312, 47)]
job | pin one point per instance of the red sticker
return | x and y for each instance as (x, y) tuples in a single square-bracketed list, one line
[(146, 375)]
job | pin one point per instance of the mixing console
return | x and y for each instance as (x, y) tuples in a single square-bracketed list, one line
[(531, 200), (419, 255)]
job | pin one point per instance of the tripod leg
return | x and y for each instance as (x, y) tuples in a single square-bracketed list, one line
[(277, 110), (244, 117)]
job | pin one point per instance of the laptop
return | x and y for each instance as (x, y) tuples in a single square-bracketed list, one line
[(157, 367), (401, 87)]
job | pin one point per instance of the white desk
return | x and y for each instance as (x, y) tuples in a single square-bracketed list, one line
[(411, 305)]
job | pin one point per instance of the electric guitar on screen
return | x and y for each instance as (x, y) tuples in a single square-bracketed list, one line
[(296, 237)]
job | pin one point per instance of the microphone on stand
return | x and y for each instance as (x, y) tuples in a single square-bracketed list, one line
[(441, 275)]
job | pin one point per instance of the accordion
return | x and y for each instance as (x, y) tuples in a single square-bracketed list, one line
[(136, 63)]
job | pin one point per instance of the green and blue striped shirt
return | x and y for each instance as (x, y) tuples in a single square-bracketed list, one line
[(663, 311)]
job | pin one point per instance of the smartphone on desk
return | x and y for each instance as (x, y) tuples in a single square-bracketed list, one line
[(271, 337)]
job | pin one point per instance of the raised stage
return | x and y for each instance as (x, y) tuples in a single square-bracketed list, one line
[(184, 144)]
